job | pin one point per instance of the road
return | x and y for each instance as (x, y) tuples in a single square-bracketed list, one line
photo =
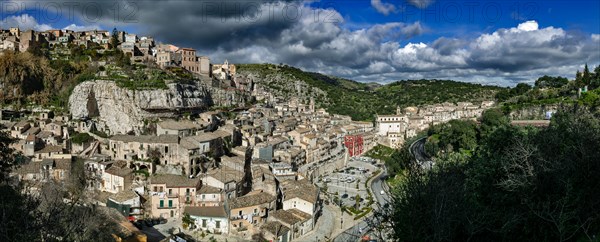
[(355, 232), (323, 228), (417, 149)]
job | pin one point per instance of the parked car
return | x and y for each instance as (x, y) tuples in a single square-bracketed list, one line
[(163, 220), (345, 195)]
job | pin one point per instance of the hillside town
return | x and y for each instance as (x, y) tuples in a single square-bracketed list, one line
[(238, 173), (393, 130)]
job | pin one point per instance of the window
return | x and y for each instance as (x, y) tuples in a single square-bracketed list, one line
[(255, 211), (240, 213), (170, 191), (170, 203), (218, 226), (162, 203), (203, 223), (203, 196)]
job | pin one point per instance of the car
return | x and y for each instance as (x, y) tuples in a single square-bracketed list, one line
[(345, 195), (382, 193)]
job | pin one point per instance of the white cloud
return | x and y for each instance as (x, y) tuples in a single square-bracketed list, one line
[(420, 3), (319, 41), (75, 27), (383, 8), (528, 26), (24, 22)]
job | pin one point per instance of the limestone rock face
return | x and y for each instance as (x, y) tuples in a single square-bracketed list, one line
[(121, 110)]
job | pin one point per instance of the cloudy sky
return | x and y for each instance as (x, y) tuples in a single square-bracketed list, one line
[(493, 42)]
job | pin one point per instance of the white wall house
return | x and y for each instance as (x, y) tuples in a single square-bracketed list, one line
[(213, 219)]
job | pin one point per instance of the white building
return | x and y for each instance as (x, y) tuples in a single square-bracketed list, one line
[(116, 179), (212, 219)]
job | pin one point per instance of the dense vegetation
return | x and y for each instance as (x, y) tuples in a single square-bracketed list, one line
[(553, 91), (27, 78), (362, 101), (392, 158), (513, 184)]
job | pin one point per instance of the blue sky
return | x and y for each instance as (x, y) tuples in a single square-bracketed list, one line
[(490, 42), (471, 18)]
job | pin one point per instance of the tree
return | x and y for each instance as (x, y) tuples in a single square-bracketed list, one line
[(579, 78), (187, 221), (490, 120), (52, 213), (520, 184), (154, 155), (114, 39), (39, 49), (549, 81), (586, 75), (595, 83), (520, 89), (503, 95)]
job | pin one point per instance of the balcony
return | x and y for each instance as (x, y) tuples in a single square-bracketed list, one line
[(165, 207), (172, 195)]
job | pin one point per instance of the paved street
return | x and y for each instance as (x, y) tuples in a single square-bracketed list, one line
[(417, 149), (324, 226)]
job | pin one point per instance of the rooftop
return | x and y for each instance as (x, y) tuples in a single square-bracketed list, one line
[(301, 189), (180, 125), (210, 211), (118, 171), (193, 142), (251, 200), (123, 196), (275, 228), (289, 217), (206, 189), (226, 174), (50, 149), (165, 138), (174, 180)]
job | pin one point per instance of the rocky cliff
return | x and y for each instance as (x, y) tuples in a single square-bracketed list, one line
[(533, 112), (121, 110)]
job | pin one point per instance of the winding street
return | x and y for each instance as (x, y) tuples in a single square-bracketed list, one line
[(417, 150)]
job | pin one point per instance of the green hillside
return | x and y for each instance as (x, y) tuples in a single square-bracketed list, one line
[(362, 101)]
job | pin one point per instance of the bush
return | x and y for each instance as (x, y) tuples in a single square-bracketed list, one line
[(81, 138)]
